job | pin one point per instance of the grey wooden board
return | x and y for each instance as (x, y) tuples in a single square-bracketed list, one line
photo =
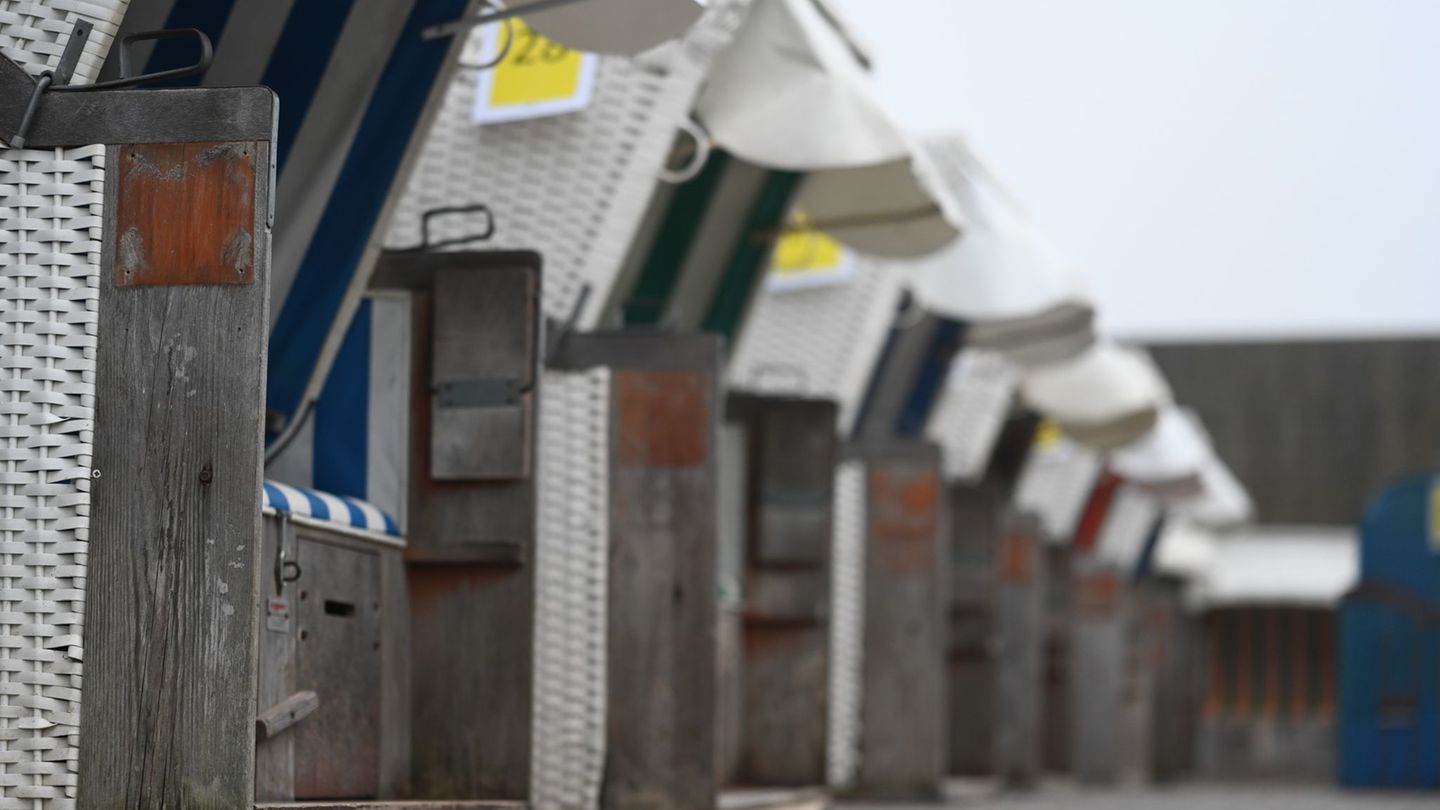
[(337, 679), (1173, 636), (731, 467), (786, 699), (794, 446), (729, 694), (661, 745), (457, 515), (1099, 683), (1019, 637), (172, 583), (337, 635), (974, 529), (388, 456), (484, 332), (903, 717), (275, 758), (1055, 667), (472, 637), (786, 596)]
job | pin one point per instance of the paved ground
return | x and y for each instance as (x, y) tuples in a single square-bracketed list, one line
[(1200, 798)]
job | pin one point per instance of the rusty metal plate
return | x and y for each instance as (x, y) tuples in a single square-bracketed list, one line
[(185, 214), (1017, 556), (1098, 594), (664, 418), (905, 514)]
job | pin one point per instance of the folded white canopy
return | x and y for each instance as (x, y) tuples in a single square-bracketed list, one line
[(1168, 458), (1185, 549), (1002, 276), (1304, 566), (1220, 501), (623, 27), (1105, 397), (791, 92)]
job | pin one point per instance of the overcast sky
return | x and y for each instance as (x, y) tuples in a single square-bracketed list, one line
[(1219, 168)]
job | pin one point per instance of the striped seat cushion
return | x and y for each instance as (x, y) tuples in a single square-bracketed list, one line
[(337, 509)]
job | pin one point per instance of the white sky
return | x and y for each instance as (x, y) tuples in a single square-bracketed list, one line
[(1219, 168)]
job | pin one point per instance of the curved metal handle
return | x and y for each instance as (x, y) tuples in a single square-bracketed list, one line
[(286, 570), (129, 79), (698, 159), (479, 208)]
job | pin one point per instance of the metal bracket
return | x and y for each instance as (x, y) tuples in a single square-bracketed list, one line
[(490, 393), (47, 111)]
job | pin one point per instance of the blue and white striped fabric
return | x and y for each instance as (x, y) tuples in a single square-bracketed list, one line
[(337, 509)]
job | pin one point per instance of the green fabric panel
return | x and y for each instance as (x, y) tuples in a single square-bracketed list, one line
[(747, 264), (688, 207)]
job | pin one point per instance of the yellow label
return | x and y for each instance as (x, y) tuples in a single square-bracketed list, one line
[(536, 71), (805, 251), (1435, 514), (1048, 434)]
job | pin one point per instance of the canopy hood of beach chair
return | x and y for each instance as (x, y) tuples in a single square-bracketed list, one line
[(621, 27)]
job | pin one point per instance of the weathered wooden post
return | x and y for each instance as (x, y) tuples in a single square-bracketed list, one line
[(1101, 681), (902, 725), (181, 203), (976, 512), (470, 559), (1020, 632), (663, 404), (791, 450)]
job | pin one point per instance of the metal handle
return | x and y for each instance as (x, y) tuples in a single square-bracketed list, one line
[(286, 570), (129, 79), (698, 158), (479, 208)]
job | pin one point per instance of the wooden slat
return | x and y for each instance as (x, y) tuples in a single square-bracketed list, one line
[(170, 642)]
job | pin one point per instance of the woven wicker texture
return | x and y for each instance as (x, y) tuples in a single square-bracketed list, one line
[(33, 32), (50, 230), (572, 572), (820, 342), (1055, 486), (846, 625), (573, 187), (971, 411)]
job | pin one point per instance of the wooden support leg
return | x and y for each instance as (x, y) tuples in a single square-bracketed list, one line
[(169, 698), (903, 729), (1020, 634), (660, 739)]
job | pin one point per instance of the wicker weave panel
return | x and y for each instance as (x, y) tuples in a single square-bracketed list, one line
[(33, 32), (819, 342), (572, 572), (847, 625), (50, 230), (971, 411), (1055, 486), (50, 226), (573, 187)]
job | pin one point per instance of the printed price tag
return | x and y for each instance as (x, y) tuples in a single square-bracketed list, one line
[(536, 79), (806, 259), (277, 614)]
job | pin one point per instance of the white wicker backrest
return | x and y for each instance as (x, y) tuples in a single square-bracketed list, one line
[(1055, 486), (573, 187), (572, 568), (50, 231), (821, 342), (971, 411), (847, 618)]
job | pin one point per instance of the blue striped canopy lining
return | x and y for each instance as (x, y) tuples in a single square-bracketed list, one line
[(338, 509)]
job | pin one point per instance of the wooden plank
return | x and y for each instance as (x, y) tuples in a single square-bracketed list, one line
[(903, 729), (469, 575), (170, 633), (786, 700), (285, 714), (275, 758), (484, 335), (1019, 636), (661, 728), (1099, 677)]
